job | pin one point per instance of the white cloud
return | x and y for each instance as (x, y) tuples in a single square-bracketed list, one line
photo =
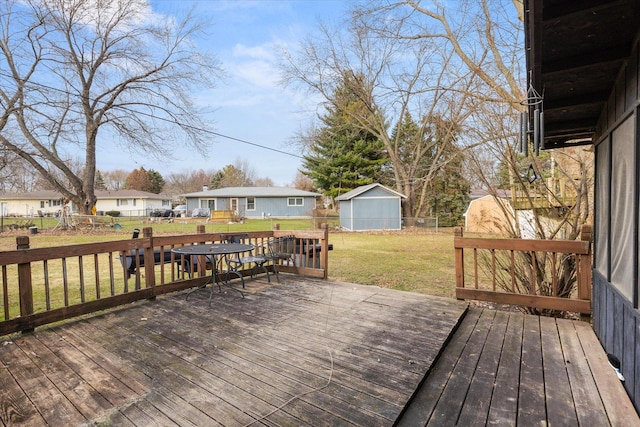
[(264, 51)]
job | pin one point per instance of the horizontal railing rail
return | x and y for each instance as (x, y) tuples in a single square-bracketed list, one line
[(539, 274), (44, 285)]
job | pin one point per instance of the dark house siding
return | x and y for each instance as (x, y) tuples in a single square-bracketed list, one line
[(616, 318)]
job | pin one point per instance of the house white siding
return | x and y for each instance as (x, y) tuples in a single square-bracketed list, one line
[(49, 203)]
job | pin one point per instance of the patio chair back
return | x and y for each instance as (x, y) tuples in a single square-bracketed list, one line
[(281, 249)]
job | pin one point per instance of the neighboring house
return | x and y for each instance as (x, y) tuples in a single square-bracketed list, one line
[(371, 207), (131, 202), (585, 58), (38, 203), (497, 214), (487, 213), (255, 202)]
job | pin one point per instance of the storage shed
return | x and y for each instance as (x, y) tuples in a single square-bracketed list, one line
[(371, 207)]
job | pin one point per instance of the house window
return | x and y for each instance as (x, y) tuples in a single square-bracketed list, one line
[(122, 202), (56, 202), (621, 214), (41, 204), (251, 203), (208, 204), (295, 201)]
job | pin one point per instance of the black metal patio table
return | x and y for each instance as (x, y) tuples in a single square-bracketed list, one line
[(216, 253)]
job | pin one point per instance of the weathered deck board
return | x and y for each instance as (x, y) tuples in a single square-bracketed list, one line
[(589, 407), (504, 368), (531, 399), (309, 353), (475, 413), (304, 352), (504, 407), (559, 399)]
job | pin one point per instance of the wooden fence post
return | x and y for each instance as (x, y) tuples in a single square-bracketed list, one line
[(149, 261), (25, 285), (459, 259), (584, 265)]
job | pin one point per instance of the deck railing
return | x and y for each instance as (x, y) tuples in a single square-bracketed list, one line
[(45, 285), (540, 274)]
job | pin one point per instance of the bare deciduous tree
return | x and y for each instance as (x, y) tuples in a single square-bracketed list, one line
[(15, 174), (392, 77), (187, 182), (485, 39), (73, 71), (114, 180), (239, 174), (264, 182), (462, 61), (303, 182)]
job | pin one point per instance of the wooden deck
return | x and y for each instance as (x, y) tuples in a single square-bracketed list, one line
[(307, 352), (303, 352), (507, 369)]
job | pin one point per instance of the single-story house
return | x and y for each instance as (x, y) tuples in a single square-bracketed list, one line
[(371, 207), (255, 202), (584, 57), (131, 202), (49, 202)]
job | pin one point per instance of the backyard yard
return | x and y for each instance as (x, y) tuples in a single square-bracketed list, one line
[(415, 260), (325, 339)]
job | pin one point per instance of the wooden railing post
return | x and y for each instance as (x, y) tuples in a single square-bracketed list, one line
[(202, 260), (24, 282), (324, 250), (459, 260), (584, 265), (149, 261)]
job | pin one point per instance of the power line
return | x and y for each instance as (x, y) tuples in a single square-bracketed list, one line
[(174, 122)]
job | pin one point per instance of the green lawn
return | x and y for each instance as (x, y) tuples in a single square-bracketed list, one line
[(418, 261), (409, 261)]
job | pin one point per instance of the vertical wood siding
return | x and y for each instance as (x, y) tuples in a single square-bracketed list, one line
[(616, 319)]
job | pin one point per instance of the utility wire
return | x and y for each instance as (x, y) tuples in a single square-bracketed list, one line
[(175, 122)]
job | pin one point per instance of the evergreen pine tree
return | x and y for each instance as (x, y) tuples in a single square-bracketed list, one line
[(343, 156)]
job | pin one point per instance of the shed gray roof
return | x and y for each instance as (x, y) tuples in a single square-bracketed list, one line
[(364, 188), (253, 192)]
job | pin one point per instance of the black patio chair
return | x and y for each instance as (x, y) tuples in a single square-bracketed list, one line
[(281, 250), (235, 264), (135, 259)]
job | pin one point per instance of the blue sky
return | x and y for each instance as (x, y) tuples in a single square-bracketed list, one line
[(250, 104)]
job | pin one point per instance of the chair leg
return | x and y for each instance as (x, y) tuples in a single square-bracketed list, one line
[(237, 273), (262, 266)]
